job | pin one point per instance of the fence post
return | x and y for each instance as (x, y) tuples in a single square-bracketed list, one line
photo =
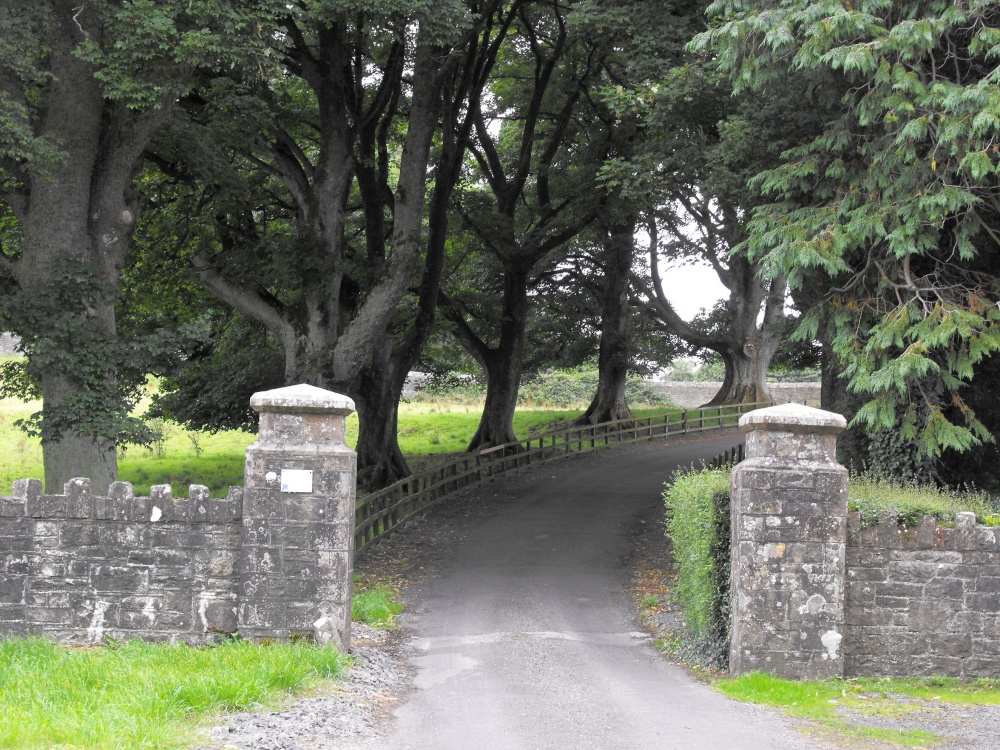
[(298, 518), (789, 525)]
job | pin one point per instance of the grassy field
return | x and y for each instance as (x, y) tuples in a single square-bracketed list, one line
[(427, 429)]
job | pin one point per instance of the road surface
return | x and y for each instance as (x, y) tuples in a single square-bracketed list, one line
[(525, 637)]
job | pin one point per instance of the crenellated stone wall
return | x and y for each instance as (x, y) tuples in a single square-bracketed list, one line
[(79, 567), (270, 560), (815, 595)]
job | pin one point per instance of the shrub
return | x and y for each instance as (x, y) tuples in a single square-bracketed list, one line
[(567, 388), (699, 529), (451, 387), (873, 496)]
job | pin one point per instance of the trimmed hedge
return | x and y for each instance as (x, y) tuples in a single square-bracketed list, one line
[(553, 388), (698, 526)]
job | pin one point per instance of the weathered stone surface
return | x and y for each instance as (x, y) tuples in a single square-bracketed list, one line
[(81, 567), (789, 516), (296, 548), (923, 600)]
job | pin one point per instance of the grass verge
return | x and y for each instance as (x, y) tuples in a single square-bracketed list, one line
[(828, 705), (374, 603), (875, 497), (143, 696)]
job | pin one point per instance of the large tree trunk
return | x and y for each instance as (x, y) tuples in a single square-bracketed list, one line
[(746, 377), (380, 460), (609, 401), (503, 366), (67, 231)]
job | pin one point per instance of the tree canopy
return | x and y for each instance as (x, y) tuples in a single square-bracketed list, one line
[(897, 200), (242, 194)]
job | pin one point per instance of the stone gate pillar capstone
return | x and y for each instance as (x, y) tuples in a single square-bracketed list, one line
[(298, 518), (789, 524)]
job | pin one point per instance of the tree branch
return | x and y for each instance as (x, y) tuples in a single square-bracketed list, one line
[(244, 299), (463, 331), (18, 202)]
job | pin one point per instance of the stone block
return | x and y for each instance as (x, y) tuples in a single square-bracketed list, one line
[(263, 503), (987, 538), (193, 539), (937, 665), (931, 616), (143, 557), (303, 588), (11, 613), (261, 559), (955, 645), (307, 509), (987, 584), (985, 603), (333, 536), (181, 557), (221, 563), (946, 588), (121, 496), (79, 534), (46, 506), (257, 532), (866, 556), (218, 614), (10, 508), (45, 615), (109, 578), (16, 564), (27, 490), (141, 509), (12, 589)]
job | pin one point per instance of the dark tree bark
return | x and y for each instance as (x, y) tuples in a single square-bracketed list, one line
[(380, 460), (609, 403), (77, 217), (526, 222), (328, 338), (340, 327), (379, 454), (502, 363)]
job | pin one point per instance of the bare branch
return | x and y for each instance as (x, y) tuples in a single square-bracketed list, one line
[(244, 299), (476, 347)]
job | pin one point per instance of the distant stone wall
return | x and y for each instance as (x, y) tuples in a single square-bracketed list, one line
[(78, 567), (9, 344), (922, 600), (690, 394)]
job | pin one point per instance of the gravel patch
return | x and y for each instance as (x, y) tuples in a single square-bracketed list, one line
[(351, 710), (964, 727)]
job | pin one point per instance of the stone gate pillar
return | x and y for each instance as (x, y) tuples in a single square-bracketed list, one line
[(789, 523), (298, 518)]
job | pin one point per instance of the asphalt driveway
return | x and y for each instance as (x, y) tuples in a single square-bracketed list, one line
[(524, 635)]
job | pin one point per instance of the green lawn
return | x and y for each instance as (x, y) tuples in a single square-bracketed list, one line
[(143, 696), (821, 702), (426, 430)]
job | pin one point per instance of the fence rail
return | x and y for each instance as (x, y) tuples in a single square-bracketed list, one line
[(379, 514), (728, 459)]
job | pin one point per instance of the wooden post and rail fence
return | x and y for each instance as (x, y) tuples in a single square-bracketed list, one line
[(380, 513)]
